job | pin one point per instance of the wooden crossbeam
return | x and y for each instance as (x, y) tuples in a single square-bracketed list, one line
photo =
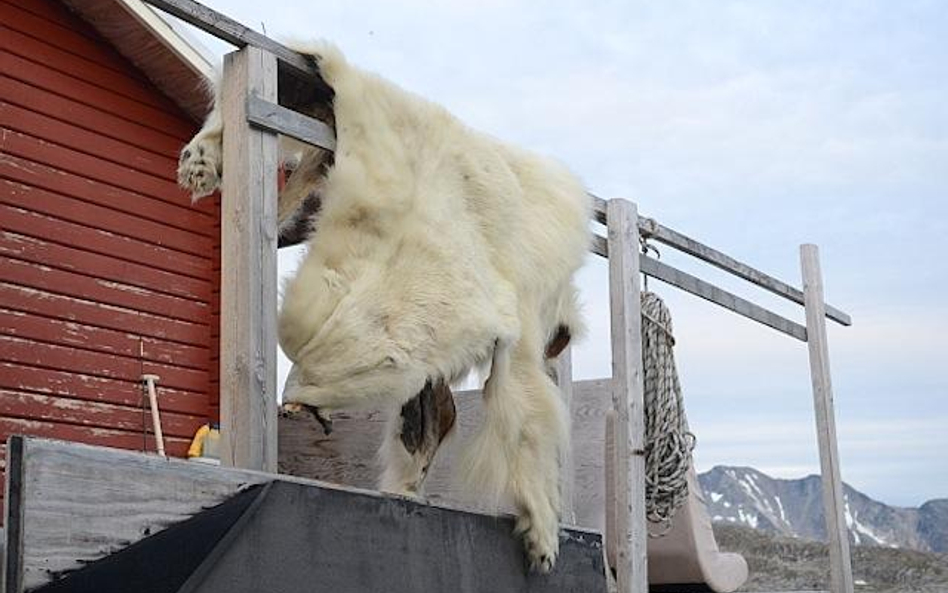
[(279, 119), (709, 292), (227, 29), (651, 229)]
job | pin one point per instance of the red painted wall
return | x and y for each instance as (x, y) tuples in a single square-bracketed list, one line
[(102, 257)]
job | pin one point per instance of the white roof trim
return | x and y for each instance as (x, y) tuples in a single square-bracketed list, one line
[(177, 39)]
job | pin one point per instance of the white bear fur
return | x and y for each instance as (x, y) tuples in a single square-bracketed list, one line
[(437, 249)]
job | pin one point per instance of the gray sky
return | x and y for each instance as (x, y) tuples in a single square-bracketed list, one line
[(754, 127)]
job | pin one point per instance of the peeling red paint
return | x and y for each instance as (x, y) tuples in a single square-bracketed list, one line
[(106, 269)]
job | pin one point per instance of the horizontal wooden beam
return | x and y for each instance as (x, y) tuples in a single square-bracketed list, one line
[(719, 296), (225, 28), (658, 270), (651, 229), (113, 498), (599, 208), (279, 119)]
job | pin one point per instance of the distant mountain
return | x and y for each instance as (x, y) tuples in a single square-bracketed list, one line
[(794, 508)]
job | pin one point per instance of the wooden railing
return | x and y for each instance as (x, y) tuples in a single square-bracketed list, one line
[(263, 81)]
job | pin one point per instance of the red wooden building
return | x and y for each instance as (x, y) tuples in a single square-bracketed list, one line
[(106, 269)]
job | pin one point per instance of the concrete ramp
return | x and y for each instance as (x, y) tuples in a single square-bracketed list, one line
[(86, 518)]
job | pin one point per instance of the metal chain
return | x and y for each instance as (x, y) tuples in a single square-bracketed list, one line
[(668, 442)]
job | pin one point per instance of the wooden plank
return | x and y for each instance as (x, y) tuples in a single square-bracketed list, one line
[(39, 46), (625, 308), (709, 292), (95, 118), (36, 74), (229, 30), (39, 250), (72, 222), (62, 410), (88, 166), (78, 386), (109, 292), (122, 152), (14, 517), (77, 198), (598, 208), (719, 296), (68, 33), (90, 435), (67, 358), (349, 455), (841, 572), (280, 120), (115, 497), (651, 229), (564, 380), (610, 461), (248, 268), (95, 313), (96, 339), (599, 246)]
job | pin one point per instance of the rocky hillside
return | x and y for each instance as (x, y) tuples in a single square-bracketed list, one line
[(745, 496), (779, 563)]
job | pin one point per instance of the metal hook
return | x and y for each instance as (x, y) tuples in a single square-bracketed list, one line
[(645, 246)]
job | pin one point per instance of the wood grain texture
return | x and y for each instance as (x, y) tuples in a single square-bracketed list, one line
[(90, 117), (45, 51), (106, 268), (86, 309), (62, 30), (98, 230), (80, 163), (43, 246), (114, 498), (248, 268), (721, 297), (107, 508), (124, 344), (94, 413), (628, 402), (348, 455), (91, 388), (609, 453), (564, 380), (841, 573), (229, 30), (709, 292), (278, 119), (35, 74), (653, 230), (170, 225), (36, 275), (55, 130)]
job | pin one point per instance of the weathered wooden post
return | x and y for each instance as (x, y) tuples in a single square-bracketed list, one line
[(248, 267), (841, 573), (564, 380), (627, 395)]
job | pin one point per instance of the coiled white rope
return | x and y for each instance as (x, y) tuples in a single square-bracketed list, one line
[(668, 442)]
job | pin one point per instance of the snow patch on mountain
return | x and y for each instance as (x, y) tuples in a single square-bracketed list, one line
[(746, 496)]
